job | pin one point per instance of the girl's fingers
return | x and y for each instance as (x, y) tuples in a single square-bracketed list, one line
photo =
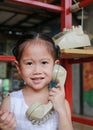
[(58, 92), (11, 121), (4, 115), (7, 121), (1, 112), (9, 117), (57, 89), (61, 87), (53, 91)]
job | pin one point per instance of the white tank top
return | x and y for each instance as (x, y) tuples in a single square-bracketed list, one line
[(19, 107)]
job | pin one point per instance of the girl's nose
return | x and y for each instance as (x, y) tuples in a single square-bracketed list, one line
[(37, 69)]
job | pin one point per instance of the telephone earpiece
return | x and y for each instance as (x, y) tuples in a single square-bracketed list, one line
[(38, 113), (59, 74)]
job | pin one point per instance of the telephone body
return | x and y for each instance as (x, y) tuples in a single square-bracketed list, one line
[(38, 112)]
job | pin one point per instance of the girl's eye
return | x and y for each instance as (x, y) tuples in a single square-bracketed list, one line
[(44, 62), (29, 63)]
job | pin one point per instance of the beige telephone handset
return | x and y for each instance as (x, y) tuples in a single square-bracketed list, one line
[(38, 113)]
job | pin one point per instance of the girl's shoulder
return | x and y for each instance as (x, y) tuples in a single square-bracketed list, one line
[(16, 93)]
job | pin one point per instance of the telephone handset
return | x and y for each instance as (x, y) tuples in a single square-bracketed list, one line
[(38, 113)]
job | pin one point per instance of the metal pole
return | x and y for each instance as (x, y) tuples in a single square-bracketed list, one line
[(37, 4), (66, 22)]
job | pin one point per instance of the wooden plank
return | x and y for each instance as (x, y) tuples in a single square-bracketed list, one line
[(76, 53)]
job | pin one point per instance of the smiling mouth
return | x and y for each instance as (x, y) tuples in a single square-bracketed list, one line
[(37, 80)]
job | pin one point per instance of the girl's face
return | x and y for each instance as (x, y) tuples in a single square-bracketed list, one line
[(36, 66)]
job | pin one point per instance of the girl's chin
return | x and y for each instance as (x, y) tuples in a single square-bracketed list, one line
[(38, 87)]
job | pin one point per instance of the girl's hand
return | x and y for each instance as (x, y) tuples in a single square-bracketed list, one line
[(7, 120), (57, 97), (61, 105)]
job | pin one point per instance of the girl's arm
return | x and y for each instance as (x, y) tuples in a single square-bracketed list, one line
[(5, 105), (65, 122), (61, 105)]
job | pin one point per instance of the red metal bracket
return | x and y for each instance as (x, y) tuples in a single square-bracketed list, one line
[(38, 4), (83, 120), (85, 3), (7, 58), (79, 5)]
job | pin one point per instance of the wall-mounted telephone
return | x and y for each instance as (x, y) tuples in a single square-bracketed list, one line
[(39, 113)]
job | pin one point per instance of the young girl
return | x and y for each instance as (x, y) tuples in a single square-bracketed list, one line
[(36, 55)]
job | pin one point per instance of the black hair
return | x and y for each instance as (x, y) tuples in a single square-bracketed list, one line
[(17, 52)]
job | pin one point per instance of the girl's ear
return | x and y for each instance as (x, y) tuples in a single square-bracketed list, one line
[(57, 62), (17, 66)]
